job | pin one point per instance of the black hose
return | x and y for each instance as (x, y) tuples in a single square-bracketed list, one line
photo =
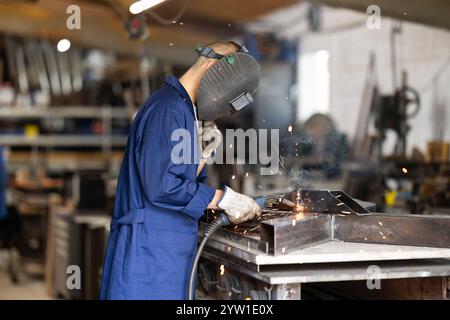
[(221, 221)]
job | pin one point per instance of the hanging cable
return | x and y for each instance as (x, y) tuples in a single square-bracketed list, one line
[(117, 9), (165, 21), (221, 221)]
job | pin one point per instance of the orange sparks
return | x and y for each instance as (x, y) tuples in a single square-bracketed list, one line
[(290, 128), (299, 216)]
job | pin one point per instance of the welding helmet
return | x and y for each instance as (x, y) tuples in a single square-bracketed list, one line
[(229, 85)]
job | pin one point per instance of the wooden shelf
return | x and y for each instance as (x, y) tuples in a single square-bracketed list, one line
[(63, 140), (75, 112)]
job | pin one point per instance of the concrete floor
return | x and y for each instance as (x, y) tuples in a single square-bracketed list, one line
[(30, 287)]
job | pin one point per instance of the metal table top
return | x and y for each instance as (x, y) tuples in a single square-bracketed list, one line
[(330, 251), (338, 251), (337, 271)]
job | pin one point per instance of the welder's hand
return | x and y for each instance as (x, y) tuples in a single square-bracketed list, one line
[(238, 207), (210, 138)]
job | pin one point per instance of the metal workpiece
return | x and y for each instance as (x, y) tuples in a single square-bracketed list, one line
[(285, 235), (234, 251), (237, 240), (341, 233), (394, 229), (299, 219)]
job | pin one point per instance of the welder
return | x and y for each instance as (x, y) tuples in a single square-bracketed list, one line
[(159, 199)]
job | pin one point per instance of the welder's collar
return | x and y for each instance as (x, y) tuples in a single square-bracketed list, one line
[(176, 84)]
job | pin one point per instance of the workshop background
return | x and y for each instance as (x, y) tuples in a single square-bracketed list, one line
[(359, 91)]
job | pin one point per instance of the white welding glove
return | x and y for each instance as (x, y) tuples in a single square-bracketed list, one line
[(238, 207), (210, 138)]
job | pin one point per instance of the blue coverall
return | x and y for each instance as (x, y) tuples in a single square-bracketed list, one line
[(153, 237)]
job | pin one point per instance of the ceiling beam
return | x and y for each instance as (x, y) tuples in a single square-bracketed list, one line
[(204, 21), (100, 28)]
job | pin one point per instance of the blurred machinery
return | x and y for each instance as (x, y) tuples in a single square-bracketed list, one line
[(398, 182), (380, 113), (392, 112), (77, 238), (78, 241), (422, 184), (318, 149)]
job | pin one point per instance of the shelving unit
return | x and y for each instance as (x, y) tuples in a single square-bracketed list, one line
[(75, 112), (74, 151), (105, 140), (63, 140)]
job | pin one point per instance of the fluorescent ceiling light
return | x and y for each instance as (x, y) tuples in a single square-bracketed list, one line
[(63, 45), (142, 5)]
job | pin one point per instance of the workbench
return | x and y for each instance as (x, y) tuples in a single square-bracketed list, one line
[(334, 239), (282, 276)]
